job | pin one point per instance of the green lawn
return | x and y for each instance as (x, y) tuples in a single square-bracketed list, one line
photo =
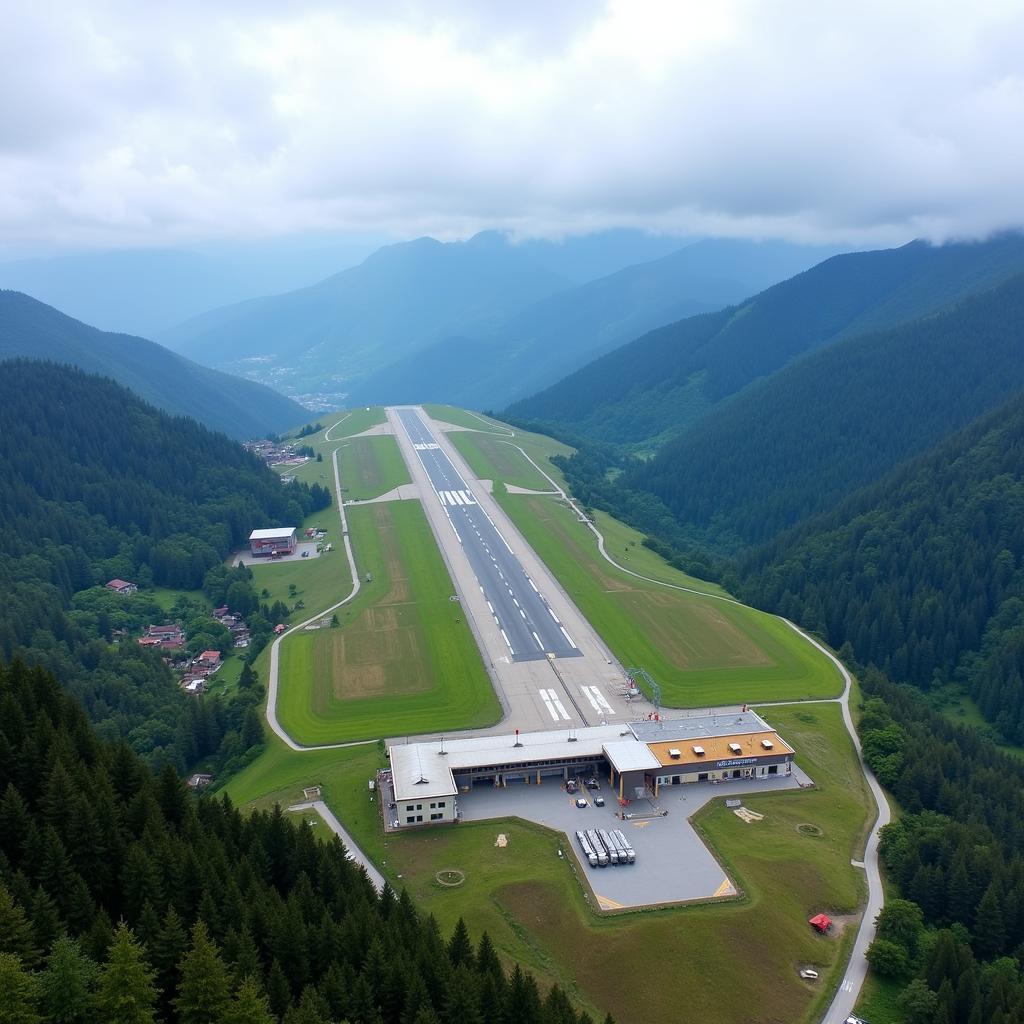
[(700, 650), (403, 659), (492, 458), (371, 466), (465, 418), (312, 472), (346, 424)]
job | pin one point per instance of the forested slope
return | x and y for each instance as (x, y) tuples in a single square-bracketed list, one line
[(534, 346), (809, 435), (662, 383), (95, 484), (124, 900), (240, 408), (923, 572)]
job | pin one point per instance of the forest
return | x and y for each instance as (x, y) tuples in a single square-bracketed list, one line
[(126, 900), (95, 484)]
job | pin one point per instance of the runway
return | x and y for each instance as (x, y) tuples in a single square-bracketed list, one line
[(529, 626)]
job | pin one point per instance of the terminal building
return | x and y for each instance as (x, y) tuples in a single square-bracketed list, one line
[(271, 543), (637, 759)]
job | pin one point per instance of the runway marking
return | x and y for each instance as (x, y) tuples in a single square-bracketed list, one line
[(532, 584), (540, 646), (847, 985), (599, 697), (556, 701), (553, 615), (515, 602), (725, 889), (506, 639), (457, 495), (521, 612), (569, 638), (426, 446), (468, 497), (585, 690), (503, 541), (549, 705), (491, 607)]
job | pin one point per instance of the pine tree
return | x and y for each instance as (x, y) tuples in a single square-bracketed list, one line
[(18, 992), (460, 949), (249, 1006), (66, 984), (203, 992), (15, 930), (166, 952), (125, 993)]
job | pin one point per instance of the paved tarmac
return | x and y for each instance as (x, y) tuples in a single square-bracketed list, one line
[(582, 684), (672, 863)]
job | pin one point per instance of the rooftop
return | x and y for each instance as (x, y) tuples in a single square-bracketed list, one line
[(629, 756), (716, 748), (699, 726), (277, 533)]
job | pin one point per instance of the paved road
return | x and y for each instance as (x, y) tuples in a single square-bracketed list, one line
[(528, 624), (375, 877)]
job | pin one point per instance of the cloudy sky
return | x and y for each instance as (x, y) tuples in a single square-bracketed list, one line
[(160, 124)]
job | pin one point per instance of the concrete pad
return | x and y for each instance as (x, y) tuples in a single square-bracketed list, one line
[(405, 492), (513, 489), (672, 863), (246, 557)]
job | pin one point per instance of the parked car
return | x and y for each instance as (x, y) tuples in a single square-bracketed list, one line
[(593, 784), (599, 801), (580, 802)]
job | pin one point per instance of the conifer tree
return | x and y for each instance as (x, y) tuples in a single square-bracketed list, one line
[(66, 985), (249, 1006), (203, 992), (18, 992), (15, 930), (125, 993), (460, 949)]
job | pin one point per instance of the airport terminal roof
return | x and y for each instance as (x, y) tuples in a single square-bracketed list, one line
[(699, 726), (716, 748), (272, 534), (629, 756)]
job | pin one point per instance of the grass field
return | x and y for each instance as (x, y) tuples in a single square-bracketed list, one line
[(403, 660), (532, 904), (491, 458), (371, 466), (465, 418), (346, 424), (701, 651)]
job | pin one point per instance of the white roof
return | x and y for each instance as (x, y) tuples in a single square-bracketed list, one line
[(281, 532), (411, 762), (630, 756), (699, 726)]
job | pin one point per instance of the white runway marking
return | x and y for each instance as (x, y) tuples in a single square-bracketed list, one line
[(457, 495), (532, 584), (540, 646), (585, 690), (506, 639), (553, 696), (503, 541), (597, 698), (547, 703), (569, 638), (553, 615), (521, 612)]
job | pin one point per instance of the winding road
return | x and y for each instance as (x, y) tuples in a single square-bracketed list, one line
[(849, 988)]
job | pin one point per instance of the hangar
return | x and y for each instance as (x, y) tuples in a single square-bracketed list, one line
[(273, 542), (638, 758)]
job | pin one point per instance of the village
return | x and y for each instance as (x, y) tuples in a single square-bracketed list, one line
[(275, 453)]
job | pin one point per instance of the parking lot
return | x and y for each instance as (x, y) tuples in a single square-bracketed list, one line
[(306, 550), (672, 864)]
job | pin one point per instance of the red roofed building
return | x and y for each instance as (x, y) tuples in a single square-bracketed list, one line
[(211, 658), (820, 922), (121, 587)]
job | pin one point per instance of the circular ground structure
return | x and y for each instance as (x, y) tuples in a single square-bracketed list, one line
[(450, 878), (812, 831)]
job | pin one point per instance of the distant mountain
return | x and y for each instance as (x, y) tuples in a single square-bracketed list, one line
[(797, 443), (400, 299), (535, 346), (146, 291), (239, 408), (660, 384)]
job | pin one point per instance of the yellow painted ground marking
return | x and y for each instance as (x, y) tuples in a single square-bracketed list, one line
[(725, 889), (640, 824), (607, 904)]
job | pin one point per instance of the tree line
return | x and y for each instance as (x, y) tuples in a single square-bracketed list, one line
[(124, 899)]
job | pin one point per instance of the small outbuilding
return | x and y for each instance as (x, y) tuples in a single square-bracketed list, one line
[(121, 587), (820, 923)]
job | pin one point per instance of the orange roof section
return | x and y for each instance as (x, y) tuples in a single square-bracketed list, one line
[(716, 748)]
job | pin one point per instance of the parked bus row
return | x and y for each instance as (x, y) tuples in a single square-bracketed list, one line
[(602, 847)]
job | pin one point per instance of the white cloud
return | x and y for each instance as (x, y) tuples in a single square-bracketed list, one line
[(154, 124)]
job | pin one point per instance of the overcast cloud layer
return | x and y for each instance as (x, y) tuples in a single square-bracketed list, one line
[(147, 124)]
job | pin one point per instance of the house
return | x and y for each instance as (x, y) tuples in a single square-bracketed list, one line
[(280, 628), (199, 780), (165, 636), (820, 923), (121, 587), (209, 659), (272, 543), (219, 613)]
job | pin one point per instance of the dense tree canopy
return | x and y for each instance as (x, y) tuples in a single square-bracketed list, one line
[(123, 899)]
